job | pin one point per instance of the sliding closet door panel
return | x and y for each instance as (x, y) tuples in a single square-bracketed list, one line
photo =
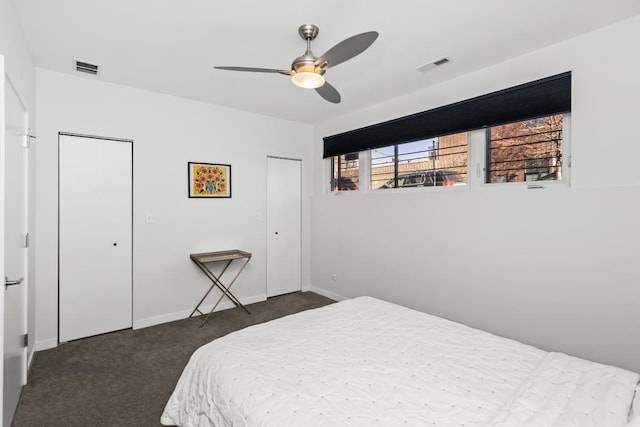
[(95, 241)]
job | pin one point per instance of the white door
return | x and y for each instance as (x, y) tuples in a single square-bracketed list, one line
[(95, 236), (15, 251), (283, 226)]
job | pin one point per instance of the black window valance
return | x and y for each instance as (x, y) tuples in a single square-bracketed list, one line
[(551, 95)]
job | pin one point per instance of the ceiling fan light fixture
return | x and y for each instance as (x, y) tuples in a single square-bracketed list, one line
[(307, 80), (307, 70)]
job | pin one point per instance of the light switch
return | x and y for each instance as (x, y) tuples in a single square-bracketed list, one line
[(148, 219)]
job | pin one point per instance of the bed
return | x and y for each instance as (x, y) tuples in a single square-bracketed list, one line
[(367, 362)]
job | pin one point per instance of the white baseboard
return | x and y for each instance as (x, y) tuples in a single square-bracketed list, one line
[(30, 358), (45, 344), (328, 294), (157, 320), (179, 315)]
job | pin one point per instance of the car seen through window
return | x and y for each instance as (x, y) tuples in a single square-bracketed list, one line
[(426, 178)]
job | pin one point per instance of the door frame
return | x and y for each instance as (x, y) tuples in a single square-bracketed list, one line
[(2, 208), (7, 86), (107, 138), (27, 282)]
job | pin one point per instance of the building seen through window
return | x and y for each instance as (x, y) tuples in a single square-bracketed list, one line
[(528, 150), (345, 171)]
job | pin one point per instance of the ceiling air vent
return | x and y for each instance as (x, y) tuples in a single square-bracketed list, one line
[(433, 64), (85, 67)]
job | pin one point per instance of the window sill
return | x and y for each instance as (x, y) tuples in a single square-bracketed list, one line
[(532, 185)]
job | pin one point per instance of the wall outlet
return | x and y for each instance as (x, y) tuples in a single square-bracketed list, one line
[(148, 219), (334, 277)]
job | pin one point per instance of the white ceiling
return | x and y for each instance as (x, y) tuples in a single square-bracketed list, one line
[(172, 46)]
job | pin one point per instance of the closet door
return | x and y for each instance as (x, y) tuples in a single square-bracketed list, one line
[(283, 226), (95, 236)]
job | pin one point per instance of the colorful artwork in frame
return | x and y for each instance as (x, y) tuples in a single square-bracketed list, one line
[(209, 180)]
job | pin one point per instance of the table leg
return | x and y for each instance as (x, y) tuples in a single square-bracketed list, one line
[(209, 275), (224, 289)]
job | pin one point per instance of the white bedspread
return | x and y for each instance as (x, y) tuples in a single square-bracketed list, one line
[(366, 362)]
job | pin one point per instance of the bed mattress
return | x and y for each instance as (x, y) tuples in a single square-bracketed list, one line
[(366, 362)]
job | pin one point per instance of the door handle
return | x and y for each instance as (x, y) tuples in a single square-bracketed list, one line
[(8, 282)]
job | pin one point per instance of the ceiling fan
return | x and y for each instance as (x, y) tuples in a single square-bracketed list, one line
[(307, 71)]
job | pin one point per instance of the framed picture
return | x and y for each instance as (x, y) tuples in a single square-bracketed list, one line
[(209, 180)]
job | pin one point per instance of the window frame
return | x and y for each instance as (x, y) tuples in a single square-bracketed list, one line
[(332, 178), (477, 164), (565, 169), (433, 151)]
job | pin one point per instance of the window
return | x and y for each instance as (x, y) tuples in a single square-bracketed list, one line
[(431, 162), (527, 150), (411, 151), (345, 172)]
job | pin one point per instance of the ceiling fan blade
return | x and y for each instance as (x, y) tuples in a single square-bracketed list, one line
[(256, 70), (347, 49), (329, 93)]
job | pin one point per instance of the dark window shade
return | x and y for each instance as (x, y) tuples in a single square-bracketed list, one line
[(551, 95)]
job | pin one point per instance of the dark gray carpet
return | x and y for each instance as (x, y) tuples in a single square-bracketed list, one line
[(125, 378)]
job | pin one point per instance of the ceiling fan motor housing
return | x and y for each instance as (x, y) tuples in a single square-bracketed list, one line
[(307, 62)]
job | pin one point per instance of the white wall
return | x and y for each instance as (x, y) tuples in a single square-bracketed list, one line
[(18, 63), (556, 267), (20, 71), (167, 132)]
